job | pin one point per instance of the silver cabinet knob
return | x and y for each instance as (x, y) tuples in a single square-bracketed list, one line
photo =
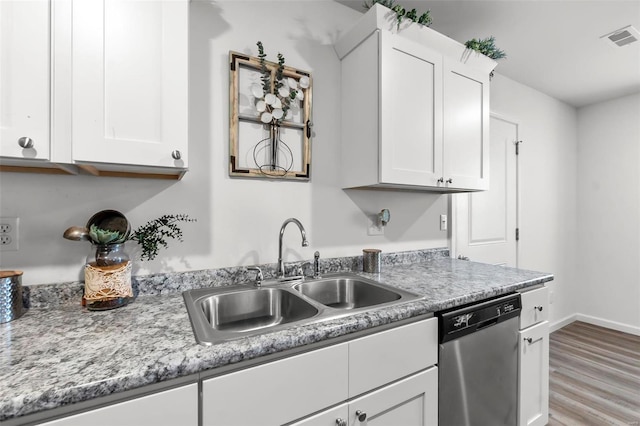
[(538, 308), (441, 180), (361, 416), (176, 155), (25, 142), (341, 422), (529, 340), (449, 180)]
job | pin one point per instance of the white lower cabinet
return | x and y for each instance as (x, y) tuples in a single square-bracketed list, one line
[(389, 377), (172, 407), (409, 402), (277, 392), (533, 358), (534, 375)]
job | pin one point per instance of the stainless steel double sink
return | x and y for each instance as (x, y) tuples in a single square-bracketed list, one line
[(219, 314)]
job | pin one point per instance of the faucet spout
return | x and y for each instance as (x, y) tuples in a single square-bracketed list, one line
[(305, 243)]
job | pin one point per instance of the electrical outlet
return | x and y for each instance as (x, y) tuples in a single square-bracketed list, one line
[(375, 227), (8, 234)]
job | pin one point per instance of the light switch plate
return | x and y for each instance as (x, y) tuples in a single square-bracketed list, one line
[(374, 227), (443, 222)]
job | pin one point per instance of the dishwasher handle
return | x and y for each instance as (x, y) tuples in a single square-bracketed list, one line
[(487, 323)]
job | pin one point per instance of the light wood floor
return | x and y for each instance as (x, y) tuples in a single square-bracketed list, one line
[(594, 376)]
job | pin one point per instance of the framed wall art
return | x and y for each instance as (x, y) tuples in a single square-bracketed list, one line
[(269, 118)]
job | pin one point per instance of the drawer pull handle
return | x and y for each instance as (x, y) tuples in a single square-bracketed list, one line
[(25, 142), (361, 416), (176, 155), (538, 308), (529, 340), (341, 422)]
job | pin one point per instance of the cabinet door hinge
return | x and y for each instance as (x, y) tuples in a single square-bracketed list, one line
[(517, 234), (518, 147)]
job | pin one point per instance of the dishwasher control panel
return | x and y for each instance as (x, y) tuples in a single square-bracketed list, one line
[(458, 322)]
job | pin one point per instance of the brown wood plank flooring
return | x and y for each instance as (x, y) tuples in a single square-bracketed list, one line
[(594, 376)]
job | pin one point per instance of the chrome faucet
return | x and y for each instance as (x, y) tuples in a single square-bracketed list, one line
[(305, 243)]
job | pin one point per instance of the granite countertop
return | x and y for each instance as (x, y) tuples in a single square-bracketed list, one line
[(52, 357)]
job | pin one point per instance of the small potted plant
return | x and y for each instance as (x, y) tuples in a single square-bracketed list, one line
[(108, 266)]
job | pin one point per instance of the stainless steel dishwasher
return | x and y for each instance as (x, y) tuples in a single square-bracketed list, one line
[(478, 363)]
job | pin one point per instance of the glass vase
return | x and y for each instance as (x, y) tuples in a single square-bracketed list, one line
[(107, 277)]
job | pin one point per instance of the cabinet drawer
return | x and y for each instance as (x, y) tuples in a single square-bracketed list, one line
[(277, 392), (535, 307), (177, 406), (384, 357)]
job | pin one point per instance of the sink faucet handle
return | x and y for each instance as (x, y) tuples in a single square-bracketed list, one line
[(259, 275), (299, 268), (316, 265)]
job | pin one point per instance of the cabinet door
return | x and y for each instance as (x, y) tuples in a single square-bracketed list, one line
[(172, 407), (277, 392), (533, 404), (466, 127), (129, 103), (336, 416), (410, 112), (409, 402), (24, 78)]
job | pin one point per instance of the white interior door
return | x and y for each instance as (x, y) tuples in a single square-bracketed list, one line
[(486, 221)]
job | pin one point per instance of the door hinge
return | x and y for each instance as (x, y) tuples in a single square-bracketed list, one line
[(518, 147), (517, 234)]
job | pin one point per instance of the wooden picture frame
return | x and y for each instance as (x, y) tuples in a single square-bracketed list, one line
[(259, 150)]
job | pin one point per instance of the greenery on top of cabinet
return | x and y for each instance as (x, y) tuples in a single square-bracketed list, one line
[(487, 47), (401, 12)]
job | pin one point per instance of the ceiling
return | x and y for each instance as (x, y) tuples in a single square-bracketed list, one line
[(554, 46)]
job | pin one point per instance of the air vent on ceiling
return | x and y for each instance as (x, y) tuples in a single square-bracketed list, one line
[(623, 36)]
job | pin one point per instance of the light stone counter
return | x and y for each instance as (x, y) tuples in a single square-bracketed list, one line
[(56, 356)]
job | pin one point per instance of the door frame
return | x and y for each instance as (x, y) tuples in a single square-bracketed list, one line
[(453, 205)]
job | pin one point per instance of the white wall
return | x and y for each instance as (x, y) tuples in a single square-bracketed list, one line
[(548, 167), (238, 220), (609, 213)]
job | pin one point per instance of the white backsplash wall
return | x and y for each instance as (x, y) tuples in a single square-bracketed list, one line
[(238, 220)]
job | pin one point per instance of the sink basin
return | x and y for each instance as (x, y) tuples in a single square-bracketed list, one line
[(220, 314), (347, 292), (254, 309), (225, 313)]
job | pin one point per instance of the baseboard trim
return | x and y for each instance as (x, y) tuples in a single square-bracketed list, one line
[(613, 325), (562, 322)]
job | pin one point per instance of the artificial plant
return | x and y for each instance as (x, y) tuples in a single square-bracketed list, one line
[(153, 235), (401, 12), (487, 47)]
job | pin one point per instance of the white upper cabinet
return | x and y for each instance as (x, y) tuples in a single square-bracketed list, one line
[(129, 83), (99, 85), (415, 108), (24, 80), (466, 127)]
